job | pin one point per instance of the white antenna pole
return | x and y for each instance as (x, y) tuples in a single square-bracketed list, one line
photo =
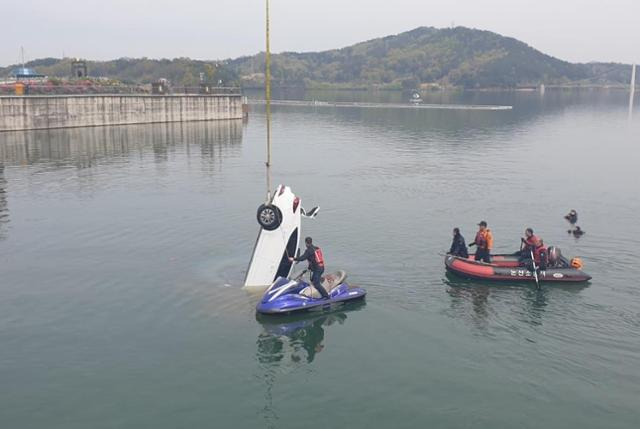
[(632, 89)]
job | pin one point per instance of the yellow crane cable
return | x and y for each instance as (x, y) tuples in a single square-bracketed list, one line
[(267, 89)]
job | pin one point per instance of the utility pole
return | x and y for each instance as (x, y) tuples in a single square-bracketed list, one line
[(632, 89)]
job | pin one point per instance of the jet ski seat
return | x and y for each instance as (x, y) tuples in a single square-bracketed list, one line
[(329, 282)]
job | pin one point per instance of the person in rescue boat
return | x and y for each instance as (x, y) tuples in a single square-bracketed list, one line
[(484, 243), (458, 245), (531, 243), (315, 258)]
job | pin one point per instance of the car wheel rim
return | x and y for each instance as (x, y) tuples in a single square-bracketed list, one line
[(268, 216)]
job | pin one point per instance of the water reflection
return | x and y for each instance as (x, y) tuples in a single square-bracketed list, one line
[(294, 342), (535, 303), (296, 339), (478, 296), (4, 209), (485, 305), (291, 343), (84, 158), (86, 147), (529, 108)]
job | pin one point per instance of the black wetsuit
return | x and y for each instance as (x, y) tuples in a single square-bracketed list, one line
[(459, 247), (572, 218), (316, 270)]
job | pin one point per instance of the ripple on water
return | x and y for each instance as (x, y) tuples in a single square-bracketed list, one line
[(124, 249)]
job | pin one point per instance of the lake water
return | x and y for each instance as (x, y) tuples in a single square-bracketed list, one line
[(123, 250)]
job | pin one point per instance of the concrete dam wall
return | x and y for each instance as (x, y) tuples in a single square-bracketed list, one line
[(66, 111)]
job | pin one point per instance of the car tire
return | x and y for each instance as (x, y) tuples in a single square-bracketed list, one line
[(269, 216)]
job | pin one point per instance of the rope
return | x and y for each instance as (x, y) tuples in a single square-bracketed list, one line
[(267, 89)]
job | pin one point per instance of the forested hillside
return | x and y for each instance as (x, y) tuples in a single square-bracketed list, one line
[(450, 57)]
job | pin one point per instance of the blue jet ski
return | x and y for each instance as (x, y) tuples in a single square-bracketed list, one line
[(286, 296), (289, 324)]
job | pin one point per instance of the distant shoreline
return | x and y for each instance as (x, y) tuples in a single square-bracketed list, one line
[(448, 89)]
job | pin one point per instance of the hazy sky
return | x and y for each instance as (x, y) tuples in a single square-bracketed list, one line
[(575, 30)]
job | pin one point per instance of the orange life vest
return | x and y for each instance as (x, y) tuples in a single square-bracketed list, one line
[(538, 252), (488, 236), (319, 257), (533, 242)]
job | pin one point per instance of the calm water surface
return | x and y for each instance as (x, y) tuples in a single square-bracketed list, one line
[(122, 252)]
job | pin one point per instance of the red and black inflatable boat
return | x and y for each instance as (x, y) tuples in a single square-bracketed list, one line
[(508, 268)]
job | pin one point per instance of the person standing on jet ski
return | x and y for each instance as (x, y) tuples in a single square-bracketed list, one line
[(484, 241), (458, 246), (313, 254)]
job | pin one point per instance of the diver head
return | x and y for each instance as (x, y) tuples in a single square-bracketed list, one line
[(528, 232), (308, 241)]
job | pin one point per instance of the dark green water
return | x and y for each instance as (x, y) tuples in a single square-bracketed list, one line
[(122, 252)]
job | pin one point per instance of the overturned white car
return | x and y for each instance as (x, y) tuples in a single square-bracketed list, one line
[(278, 238)]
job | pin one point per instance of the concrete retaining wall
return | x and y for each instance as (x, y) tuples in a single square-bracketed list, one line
[(65, 111)]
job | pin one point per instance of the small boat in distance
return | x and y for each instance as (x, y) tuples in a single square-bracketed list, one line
[(415, 98)]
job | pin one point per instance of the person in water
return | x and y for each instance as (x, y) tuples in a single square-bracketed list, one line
[(484, 243), (578, 232), (315, 258), (458, 245), (572, 218)]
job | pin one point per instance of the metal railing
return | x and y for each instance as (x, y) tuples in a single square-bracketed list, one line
[(50, 89), (204, 90), (46, 89)]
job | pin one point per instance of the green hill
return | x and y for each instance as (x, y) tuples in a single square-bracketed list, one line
[(449, 57)]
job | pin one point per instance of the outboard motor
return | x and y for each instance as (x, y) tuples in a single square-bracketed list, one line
[(555, 256)]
